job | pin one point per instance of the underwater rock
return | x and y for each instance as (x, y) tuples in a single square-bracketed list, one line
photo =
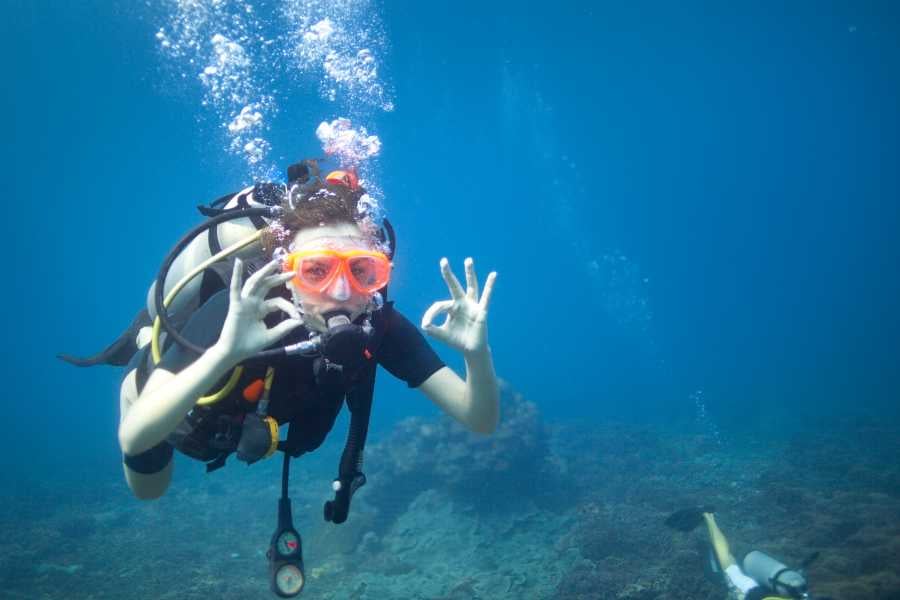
[(439, 453)]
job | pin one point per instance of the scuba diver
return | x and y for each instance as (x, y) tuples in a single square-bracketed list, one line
[(275, 312), (761, 578)]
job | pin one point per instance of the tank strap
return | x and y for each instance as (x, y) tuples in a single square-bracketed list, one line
[(257, 221), (774, 583), (144, 367), (215, 246), (221, 201)]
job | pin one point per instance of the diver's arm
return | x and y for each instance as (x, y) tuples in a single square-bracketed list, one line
[(167, 398), (474, 402)]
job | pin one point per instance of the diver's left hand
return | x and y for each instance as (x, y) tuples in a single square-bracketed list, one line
[(466, 326)]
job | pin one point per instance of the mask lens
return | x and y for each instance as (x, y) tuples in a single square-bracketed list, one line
[(316, 272), (369, 273)]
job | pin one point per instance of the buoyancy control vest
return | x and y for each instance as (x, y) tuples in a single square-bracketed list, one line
[(210, 433)]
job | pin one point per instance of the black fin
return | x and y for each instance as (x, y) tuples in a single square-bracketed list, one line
[(687, 519), (119, 352)]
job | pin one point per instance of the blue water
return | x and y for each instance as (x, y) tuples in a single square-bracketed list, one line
[(678, 197)]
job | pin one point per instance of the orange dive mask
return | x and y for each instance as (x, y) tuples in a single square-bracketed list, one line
[(314, 270)]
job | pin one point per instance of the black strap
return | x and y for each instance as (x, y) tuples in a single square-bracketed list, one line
[(150, 461), (257, 221), (215, 246), (142, 373), (212, 234), (221, 201), (775, 583), (285, 475)]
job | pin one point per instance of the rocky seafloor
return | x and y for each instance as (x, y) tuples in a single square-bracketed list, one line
[(537, 510)]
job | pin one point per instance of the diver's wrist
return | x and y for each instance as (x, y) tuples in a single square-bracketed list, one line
[(225, 355), (479, 355)]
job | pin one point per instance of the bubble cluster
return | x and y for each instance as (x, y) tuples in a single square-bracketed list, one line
[(240, 51), (351, 145), (221, 44), (329, 39)]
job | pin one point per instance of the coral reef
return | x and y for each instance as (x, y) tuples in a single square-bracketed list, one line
[(490, 471)]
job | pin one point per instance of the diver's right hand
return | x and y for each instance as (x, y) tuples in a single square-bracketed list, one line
[(244, 332)]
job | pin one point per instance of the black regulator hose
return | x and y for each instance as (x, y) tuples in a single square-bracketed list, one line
[(158, 292)]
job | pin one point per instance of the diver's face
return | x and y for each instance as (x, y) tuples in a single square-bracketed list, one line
[(339, 295)]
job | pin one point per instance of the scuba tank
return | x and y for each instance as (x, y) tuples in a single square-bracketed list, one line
[(775, 575), (234, 218), (233, 221), (211, 240)]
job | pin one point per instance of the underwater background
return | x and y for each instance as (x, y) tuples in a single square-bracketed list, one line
[(693, 211)]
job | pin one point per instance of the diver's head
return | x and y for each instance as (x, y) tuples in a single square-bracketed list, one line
[(333, 249)]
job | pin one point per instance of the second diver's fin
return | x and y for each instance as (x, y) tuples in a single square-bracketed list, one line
[(119, 352), (687, 519)]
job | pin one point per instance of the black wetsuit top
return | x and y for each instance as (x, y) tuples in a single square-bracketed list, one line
[(294, 397)]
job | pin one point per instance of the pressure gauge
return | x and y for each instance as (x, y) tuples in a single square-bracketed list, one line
[(288, 580), (288, 544)]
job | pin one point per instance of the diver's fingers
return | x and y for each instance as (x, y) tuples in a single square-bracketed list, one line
[(275, 304), (471, 280), (275, 280), (488, 289), (237, 272), (252, 285), (433, 311), (282, 329), (456, 291)]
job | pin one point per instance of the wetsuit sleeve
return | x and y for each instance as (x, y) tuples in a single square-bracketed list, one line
[(405, 352), (152, 460)]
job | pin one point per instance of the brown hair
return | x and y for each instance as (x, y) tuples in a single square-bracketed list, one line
[(314, 205)]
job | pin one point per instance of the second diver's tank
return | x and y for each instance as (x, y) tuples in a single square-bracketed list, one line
[(774, 574)]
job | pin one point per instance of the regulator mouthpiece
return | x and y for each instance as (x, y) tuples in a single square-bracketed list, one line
[(336, 318)]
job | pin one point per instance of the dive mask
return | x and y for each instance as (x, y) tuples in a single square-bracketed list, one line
[(367, 271)]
